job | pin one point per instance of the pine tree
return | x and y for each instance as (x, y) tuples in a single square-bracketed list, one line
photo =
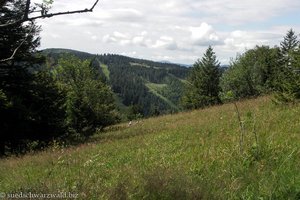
[(287, 47), (289, 42), (287, 85), (29, 100), (203, 89)]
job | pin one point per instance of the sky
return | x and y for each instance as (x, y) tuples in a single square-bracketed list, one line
[(177, 31)]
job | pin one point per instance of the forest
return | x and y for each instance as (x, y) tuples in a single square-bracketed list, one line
[(142, 88)]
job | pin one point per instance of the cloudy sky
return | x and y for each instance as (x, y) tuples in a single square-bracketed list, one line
[(170, 30)]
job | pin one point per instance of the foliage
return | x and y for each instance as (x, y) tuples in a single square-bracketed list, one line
[(288, 47), (130, 79), (89, 102), (13, 36), (263, 70), (203, 89), (30, 101), (134, 113), (288, 76), (252, 73)]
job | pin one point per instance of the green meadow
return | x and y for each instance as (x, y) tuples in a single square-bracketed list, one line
[(202, 154)]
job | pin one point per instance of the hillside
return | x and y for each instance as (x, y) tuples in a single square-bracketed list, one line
[(193, 155), (140, 86)]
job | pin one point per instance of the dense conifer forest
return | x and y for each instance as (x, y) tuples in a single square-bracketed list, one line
[(142, 88)]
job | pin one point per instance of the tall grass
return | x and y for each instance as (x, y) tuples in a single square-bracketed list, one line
[(192, 155)]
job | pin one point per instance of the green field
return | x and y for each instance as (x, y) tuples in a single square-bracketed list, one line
[(143, 65), (155, 88), (105, 69), (192, 155)]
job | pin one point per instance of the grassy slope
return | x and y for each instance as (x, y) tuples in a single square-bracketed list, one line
[(105, 69), (139, 64), (118, 100), (142, 65), (190, 155), (153, 87)]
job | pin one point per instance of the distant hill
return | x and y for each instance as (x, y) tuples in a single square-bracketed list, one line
[(57, 52), (140, 86), (180, 64)]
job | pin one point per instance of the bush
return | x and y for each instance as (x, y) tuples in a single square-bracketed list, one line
[(89, 102)]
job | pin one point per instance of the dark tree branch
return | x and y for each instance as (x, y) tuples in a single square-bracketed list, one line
[(26, 18), (26, 12), (61, 13), (14, 53), (18, 47), (92, 8), (2, 3)]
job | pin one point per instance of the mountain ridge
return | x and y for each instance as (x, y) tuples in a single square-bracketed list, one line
[(132, 81), (73, 51)]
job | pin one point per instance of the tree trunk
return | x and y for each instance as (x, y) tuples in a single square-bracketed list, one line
[(2, 147)]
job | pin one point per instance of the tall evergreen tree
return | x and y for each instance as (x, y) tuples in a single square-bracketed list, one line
[(14, 77), (289, 44), (29, 100), (287, 85), (203, 89)]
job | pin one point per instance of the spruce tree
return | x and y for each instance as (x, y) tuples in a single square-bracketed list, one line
[(287, 82), (287, 48), (30, 102), (289, 42), (203, 89)]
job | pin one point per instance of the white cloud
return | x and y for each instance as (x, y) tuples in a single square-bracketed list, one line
[(141, 40), (240, 40), (108, 39), (117, 37), (238, 34), (143, 33), (174, 7), (240, 12), (179, 30), (121, 15), (55, 36), (125, 42), (138, 40), (120, 35), (204, 35), (165, 42), (94, 37), (132, 53)]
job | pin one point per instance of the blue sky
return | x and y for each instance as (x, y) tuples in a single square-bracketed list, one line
[(174, 30)]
